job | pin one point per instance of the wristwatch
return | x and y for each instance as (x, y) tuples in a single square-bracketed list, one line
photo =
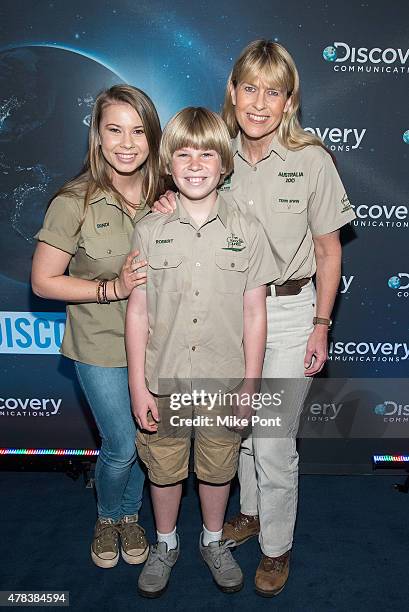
[(322, 321)]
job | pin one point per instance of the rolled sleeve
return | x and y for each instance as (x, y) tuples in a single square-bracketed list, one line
[(61, 225), (263, 267), (328, 207)]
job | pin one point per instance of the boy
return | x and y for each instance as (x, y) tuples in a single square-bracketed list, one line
[(202, 316)]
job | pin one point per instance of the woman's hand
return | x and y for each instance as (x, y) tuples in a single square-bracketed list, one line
[(166, 203), (131, 275)]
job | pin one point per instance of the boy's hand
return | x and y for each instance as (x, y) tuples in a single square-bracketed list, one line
[(145, 411), (166, 203)]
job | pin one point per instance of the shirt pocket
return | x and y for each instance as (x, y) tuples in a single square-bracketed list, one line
[(231, 273), (166, 272), (106, 254), (288, 205)]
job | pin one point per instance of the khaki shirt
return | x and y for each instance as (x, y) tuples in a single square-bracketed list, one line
[(295, 195), (94, 333), (196, 281)]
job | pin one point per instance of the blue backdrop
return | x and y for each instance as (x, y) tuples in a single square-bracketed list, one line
[(56, 56)]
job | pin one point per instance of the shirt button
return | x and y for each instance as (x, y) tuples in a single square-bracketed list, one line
[(251, 202), (194, 320), (198, 234), (165, 263), (254, 168), (232, 265), (193, 348), (197, 292), (109, 251), (198, 264)]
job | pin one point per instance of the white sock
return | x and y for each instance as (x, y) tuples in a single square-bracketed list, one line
[(169, 538), (211, 536)]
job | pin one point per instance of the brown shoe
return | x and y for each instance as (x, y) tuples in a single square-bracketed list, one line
[(241, 528), (272, 574)]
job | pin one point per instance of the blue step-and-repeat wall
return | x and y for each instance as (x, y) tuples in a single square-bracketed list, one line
[(353, 58)]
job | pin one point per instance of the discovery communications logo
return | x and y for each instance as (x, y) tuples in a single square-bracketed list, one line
[(381, 216), (322, 413), (26, 407), (364, 352), (392, 412), (31, 333), (339, 139), (400, 284), (347, 58)]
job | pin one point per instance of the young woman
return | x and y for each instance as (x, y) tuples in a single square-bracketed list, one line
[(87, 229)]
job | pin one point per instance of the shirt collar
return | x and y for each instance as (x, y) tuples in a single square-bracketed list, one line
[(275, 146), (220, 210), (110, 199)]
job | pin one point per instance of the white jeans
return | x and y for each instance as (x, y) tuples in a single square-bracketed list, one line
[(268, 466)]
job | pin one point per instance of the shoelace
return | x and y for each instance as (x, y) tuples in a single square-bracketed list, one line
[(106, 533), (132, 532), (154, 560), (222, 551), (277, 565)]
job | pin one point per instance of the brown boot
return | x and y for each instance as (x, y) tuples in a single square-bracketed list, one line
[(241, 528), (272, 574)]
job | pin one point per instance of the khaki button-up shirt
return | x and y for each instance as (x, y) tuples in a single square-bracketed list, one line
[(295, 195), (197, 277), (94, 333)]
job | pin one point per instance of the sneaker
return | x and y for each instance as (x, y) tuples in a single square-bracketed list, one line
[(104, 547), (134, 546), (241, 528), (225, 571), (272, 574), (154, 578)]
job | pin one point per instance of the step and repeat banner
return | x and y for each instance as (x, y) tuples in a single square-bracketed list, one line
[(353, 60)]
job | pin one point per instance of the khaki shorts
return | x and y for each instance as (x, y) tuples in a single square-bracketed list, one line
[(166, 452)]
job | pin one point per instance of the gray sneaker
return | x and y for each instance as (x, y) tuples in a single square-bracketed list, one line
[(225, 571), (154, 577), (104, 547), (134, 546)]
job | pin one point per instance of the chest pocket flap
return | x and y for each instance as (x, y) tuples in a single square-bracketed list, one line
[(232, 262), (99, 247), (165, 260)]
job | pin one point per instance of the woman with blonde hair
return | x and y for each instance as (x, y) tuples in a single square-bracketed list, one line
[(87, 230), (287, 179)]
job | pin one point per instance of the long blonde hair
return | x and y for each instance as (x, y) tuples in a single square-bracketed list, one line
[(96, 174), (272, 63)]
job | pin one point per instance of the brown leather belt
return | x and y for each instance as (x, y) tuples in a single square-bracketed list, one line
[(291, 287)]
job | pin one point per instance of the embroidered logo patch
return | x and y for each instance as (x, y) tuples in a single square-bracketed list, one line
[(164, 241), (100, 225), (234, 243), (226, 185), (346, 204)]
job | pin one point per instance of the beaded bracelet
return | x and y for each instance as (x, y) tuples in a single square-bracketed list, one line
[(102, 292)]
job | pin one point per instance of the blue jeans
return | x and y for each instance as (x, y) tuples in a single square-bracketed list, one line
[(119, 478)]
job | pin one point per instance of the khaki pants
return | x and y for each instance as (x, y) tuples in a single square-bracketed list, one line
[(268, 465)]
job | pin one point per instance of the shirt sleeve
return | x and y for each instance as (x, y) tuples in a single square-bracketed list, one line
[(62, 223), (328, 206), (139, 241), (263, 267)]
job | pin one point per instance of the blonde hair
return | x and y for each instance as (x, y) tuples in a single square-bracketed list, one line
[(96, 174), (272, 63), (199, 128)]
